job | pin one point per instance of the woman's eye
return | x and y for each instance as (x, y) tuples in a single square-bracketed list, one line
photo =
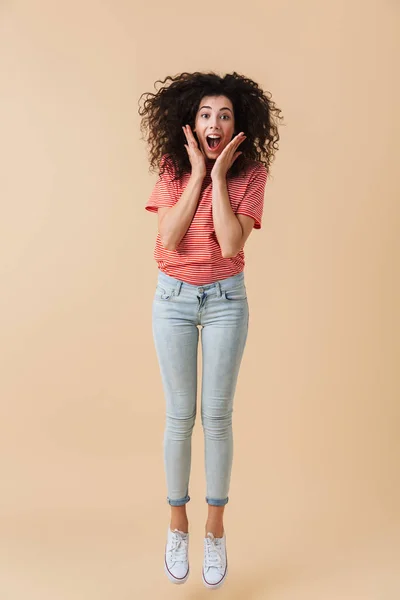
[(222, 116)]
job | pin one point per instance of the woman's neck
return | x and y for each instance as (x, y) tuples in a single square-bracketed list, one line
[(209, 165)]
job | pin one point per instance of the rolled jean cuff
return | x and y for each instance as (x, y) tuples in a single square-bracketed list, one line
[(179, 502), (216, 502)]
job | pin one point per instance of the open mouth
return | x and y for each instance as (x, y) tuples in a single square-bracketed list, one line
[(213, 142)]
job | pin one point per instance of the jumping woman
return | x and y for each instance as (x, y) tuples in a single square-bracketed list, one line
[(212, 140)]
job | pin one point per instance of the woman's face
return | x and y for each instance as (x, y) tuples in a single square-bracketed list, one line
[(214, 125)]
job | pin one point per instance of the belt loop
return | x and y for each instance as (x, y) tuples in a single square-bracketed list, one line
[(178, 288), (218, 288)]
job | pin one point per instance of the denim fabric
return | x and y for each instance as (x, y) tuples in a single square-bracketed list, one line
[(217, 313)]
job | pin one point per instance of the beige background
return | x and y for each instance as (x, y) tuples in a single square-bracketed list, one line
[(315, 495)]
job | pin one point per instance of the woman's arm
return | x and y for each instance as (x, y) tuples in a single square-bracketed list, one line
[(174, 222), (231, 230)]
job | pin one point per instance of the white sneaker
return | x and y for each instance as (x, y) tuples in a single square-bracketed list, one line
[(176, 563), (215, 566)]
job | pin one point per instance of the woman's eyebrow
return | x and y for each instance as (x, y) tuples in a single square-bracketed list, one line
[(224, 108)]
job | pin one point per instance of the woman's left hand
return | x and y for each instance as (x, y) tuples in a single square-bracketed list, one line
[(227, 157)]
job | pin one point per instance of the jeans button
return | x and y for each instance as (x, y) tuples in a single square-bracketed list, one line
[(201, 290)]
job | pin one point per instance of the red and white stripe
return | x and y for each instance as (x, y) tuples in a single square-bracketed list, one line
[(198, 259)]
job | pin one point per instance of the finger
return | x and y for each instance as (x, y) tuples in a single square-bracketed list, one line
[(191, 135), (230, 149), (187, 130), (184, 131), (233, 144), (240, 138)]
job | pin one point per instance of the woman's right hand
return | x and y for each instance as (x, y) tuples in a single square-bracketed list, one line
[(196, 156)]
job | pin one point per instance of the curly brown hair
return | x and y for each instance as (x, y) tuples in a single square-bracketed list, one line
[(176, 104)]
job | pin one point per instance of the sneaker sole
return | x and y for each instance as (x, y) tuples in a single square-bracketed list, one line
[(174, 579), (215, 586)]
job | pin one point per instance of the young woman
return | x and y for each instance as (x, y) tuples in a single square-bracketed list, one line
[(213, 139)]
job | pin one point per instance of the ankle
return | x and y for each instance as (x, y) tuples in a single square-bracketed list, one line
[(217, 529), (180, 525), (179, 518)]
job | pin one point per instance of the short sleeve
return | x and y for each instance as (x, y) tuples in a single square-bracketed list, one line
[(165, 191), (252, 204)]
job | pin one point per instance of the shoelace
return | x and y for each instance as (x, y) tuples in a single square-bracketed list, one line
[(214, 555), (178, 548)]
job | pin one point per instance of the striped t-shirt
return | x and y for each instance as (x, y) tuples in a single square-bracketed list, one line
[(198, 259)]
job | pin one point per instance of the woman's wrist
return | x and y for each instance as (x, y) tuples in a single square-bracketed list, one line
[(218, 179), (198, 175)]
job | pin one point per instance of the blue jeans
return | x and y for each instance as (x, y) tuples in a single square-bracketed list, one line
[(221, 311)]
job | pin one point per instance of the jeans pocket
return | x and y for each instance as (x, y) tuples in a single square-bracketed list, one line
[(163, 294), (235, 295)]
